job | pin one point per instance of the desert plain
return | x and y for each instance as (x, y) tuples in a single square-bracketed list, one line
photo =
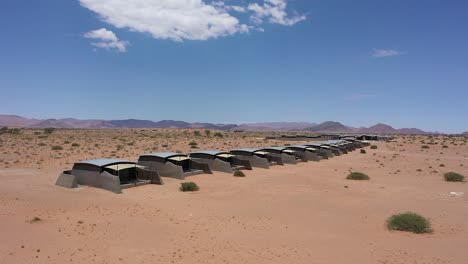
[(305, 213)]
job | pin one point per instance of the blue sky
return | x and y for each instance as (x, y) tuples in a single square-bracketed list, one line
[(404, 63)]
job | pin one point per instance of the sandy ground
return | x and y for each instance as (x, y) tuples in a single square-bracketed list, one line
[(289, 214)]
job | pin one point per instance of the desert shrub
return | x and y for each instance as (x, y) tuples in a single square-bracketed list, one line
[(363, 151), (444, 146), (409, 222), (193, 143), (189, 187), (218, 134), (424, 146), (35, 219), (75, 145), (453, 177), (6, 130), (196, 133), (373, 147), (207, 132), (239, 174), (57, 148), (357, 176), (49, 130)]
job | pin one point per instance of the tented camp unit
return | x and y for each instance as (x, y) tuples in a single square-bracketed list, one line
[(336, 147), (288, 156), (220, 160), (173, 165), (355, 143), (308, 153), (109, 174), (322, 150), (348, 145), (335, 150), (257, 158)]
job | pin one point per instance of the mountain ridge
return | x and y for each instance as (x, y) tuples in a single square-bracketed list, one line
[(327, 126)]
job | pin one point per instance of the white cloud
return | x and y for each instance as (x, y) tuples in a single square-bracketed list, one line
[(274, 11), (380, 53), (106, 39), (188, 19), (168, 19)]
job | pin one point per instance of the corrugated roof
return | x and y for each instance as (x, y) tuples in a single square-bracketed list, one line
[(246, 149), (298, 146), (274, 148), (105, 162), (210, 152), (164, 155), (316, 144)]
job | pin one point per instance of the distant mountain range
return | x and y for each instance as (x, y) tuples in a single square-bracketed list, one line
[(329, 126)]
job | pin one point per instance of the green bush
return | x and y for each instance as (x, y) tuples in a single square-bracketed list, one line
[(453, 177), (363, 151), (49, 130), (207, 132), (57, 148), (218, 134), (357, 176), (373, 147), (409, 222), (196, 133), (239, 174), (189, 187), (35, 219)]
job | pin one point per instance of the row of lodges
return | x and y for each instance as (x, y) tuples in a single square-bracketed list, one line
[(117, 174), (364, 137)]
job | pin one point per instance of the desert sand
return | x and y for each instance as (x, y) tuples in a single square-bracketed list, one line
[(305, 213)]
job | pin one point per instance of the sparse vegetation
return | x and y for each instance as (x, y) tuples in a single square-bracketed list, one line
[(373, 147), (196, 133), (218, 134), (409, 222), (363, 151), (193, 145), (189, 187), (49, 130), (75, 145), (239, 174), (425, 147), (35, 219), (57, 148), (357, 176), (454, 177)]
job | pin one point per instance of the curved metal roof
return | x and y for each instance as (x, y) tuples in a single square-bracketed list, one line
[(105, 162), (252, 150), (315, 144), (210, 152), (164, 155), (298, 146), (274, 148)]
